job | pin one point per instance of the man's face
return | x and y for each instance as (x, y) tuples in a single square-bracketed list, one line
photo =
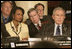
[(34, 17), (59, 16), (18, 16), (6, 8), (40, 10)]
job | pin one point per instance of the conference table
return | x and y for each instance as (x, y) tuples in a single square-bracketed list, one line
[(31, 42)]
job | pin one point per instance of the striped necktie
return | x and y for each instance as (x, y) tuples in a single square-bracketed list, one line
[(58, 31)]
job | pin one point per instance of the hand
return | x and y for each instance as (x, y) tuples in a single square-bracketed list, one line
[(24, 39)]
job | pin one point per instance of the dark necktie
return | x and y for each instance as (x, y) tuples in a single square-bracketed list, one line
[(39, 27), (58, 31), (5, 20)]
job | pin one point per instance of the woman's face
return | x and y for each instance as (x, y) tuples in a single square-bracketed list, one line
[(18, 16)]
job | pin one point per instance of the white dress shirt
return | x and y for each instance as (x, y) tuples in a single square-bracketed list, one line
[(56, 28), (37, 24)]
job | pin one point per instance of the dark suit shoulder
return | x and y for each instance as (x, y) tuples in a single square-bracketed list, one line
[(4, 32), (33, 31), (67, 29), (46, 19)]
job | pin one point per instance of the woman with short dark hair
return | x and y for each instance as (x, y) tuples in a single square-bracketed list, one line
[(16, 28)]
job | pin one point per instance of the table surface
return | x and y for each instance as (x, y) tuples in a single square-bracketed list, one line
[(31, 41)]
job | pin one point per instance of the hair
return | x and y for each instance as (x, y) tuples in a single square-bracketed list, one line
[(17, 8), (13, 11), (58, 8), (11, 2), (30, 10), (45, 44), (38, 5)]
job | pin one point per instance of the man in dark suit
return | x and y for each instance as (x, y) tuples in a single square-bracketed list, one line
[(6, 7), (4, 33), (58, 28), (40, 9), (36, 24)]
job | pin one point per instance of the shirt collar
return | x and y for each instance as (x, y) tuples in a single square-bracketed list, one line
[(4, 17), (57, 24), (38, 23), (19, 26), (13, 24)]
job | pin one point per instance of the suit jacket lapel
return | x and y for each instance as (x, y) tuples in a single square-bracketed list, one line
[(64, 30), (51, 30), (34, 27)]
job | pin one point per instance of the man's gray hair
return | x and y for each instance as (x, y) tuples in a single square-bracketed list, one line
[(58, 8)]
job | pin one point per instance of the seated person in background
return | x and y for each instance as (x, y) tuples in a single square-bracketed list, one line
[(45, 44), (6, 8), (16, 28), (58, 28), (40, 9), (35, 25), (4, 32)]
